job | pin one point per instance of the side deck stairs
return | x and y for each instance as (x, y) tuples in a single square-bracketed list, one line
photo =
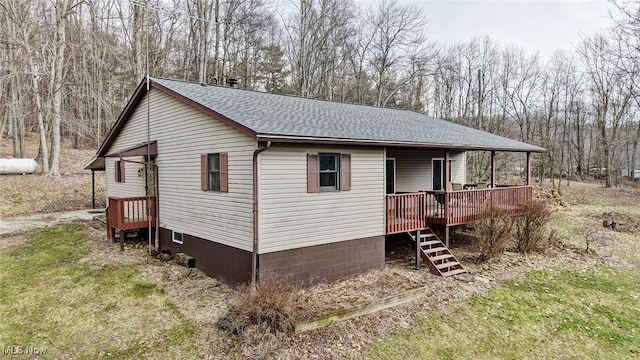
[(436, 255)]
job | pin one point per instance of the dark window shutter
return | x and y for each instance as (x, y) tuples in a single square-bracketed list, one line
[(204, 172), (224, 172), (116, 171), (312, 174), (345, 172), (121, 171)]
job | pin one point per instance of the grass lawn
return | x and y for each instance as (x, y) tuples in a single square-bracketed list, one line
[(549, 314), (53, 298)]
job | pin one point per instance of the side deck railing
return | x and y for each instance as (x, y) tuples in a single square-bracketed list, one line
[(131, 212), (411, 211)]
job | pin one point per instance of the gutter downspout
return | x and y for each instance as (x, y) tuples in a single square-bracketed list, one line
[(254, 255)]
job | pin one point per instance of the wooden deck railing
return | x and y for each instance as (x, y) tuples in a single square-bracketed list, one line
[(405, 212), (409, 212), (131, 212)]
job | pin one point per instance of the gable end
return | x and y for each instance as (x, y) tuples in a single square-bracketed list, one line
[(139, 94)]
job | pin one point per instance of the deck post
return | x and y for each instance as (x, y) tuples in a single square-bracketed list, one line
[(493, 169), (528, 168), (93, 188), (447, 175), (123, 234), (447, 186), (446, 235), (417, 249)]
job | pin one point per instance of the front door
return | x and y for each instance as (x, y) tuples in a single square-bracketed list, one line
[(391, 176), (437, 166)]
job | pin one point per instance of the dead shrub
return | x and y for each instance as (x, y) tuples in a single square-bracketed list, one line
[(532, 227), (263, 312), (494, 232)]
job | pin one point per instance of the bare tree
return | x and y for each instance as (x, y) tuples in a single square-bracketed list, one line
[(396, 28)]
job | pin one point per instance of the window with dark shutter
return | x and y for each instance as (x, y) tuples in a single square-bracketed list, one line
[(214, 174)]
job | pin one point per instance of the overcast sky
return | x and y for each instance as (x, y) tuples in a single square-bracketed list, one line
[(543, 25)]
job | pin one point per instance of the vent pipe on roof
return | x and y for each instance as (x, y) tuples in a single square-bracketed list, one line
[(233, 83)]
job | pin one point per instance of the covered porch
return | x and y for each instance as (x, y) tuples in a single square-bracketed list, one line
[(447, 200)]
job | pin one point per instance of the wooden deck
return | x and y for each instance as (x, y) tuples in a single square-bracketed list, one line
[(125, 213), (413, 211)]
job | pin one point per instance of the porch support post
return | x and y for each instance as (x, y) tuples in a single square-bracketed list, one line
[(447, 186), (528, 168), (418, 250), (447, 176), (93, 188), (446, 235), (493, 169)]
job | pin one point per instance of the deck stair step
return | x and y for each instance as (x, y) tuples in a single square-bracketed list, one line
[(441, 257), (434, 250), (430, 242), (436, 255), (447, 264)]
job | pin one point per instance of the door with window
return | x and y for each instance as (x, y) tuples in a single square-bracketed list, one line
[(391, 175), (437, 167)]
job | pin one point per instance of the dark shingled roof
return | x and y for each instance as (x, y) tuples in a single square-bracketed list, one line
[(296, 117)]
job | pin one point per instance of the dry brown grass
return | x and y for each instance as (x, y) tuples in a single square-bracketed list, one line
[(28, 194)]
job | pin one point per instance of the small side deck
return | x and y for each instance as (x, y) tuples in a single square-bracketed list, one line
[(124, 213), (414, 211)]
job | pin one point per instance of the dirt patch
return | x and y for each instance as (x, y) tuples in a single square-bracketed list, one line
[(8, 241)]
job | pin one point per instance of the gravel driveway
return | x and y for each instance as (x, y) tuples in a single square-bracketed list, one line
[(16, 224)]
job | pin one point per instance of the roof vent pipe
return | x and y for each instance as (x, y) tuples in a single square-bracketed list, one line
[(233, 83)]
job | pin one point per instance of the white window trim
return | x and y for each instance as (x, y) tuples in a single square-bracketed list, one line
[(330, 189), (173, 237)]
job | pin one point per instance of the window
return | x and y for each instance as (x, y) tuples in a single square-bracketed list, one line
[(391, 175), (119, 171), (177, 237), (213, 167), (437, 166), (213, 172), (329, 172)]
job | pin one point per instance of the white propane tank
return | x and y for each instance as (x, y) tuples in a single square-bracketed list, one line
[(17, 166)]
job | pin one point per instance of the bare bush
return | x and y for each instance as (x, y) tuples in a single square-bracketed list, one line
[(532, 227), (494, 232), (263, 312)]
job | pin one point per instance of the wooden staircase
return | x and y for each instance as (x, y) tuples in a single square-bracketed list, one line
[(436, 255)]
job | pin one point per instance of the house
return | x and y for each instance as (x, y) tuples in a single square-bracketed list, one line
[(248, 182)]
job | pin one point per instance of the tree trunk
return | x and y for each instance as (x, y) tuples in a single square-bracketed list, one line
[(62, 8)]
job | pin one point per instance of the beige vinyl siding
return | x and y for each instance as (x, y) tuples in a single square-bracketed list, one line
[(183, 134), (289, 217), (133, 185), (413, 168)]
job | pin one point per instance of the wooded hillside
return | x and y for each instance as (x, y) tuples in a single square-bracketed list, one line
[(67, 68)]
